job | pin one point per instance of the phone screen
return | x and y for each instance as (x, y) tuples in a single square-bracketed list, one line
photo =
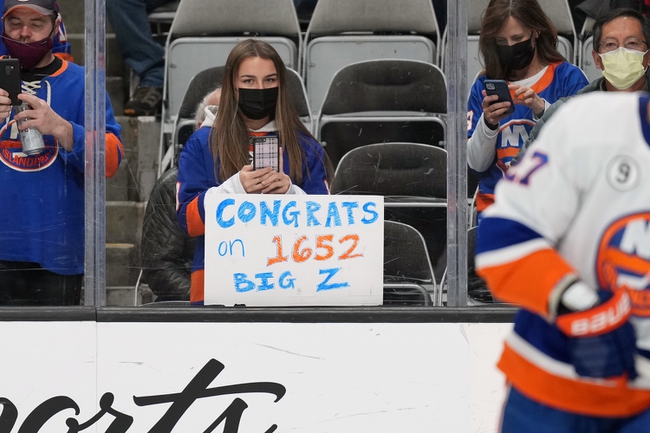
[(266, 152), (10, 78)]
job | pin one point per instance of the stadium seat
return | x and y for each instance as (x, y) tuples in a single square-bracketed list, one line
[(376, 101), (587, 61), (204, 32), (342, 32), (161, 19), (408, 275), (477, 290), (412, 177)]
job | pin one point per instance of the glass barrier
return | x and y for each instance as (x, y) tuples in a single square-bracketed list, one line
[(121, 256)]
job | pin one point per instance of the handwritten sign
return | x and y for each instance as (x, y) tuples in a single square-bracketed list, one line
[(282, 250)]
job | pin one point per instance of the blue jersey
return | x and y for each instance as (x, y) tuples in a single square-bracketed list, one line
[(196, 174), (560, 79), (42, 220)]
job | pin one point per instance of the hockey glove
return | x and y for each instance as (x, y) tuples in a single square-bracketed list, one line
[(602, 342)]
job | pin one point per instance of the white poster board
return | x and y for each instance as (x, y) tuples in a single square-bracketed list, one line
[(284, 250)]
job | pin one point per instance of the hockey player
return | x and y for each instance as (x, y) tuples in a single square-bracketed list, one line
[(568, 240)]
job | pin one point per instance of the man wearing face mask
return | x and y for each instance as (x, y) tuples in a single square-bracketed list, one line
[(621, 37), (42, 221), (519, 45)]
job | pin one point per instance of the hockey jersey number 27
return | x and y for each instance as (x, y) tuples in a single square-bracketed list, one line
[(576, 206)]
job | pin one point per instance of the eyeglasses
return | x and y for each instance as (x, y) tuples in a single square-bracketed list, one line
[(629, 43)]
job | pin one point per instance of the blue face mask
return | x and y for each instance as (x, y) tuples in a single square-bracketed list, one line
[(28, 54), (257, 104)]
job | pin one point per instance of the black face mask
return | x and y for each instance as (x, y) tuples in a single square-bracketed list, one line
[(256, 104), (517, 56)]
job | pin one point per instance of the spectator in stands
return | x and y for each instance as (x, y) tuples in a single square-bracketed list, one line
[(42, 229), (140, 52), (207, 108), (518, 44), (620, 36), (254, 102), (167, 251), (61, 47)]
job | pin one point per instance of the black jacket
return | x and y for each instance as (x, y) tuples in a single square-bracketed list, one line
[(167, 251)]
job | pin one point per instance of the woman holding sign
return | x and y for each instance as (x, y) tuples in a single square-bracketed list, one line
[(257, 145)]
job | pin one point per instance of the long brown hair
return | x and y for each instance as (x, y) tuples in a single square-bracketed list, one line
[(529, 13), (229, 135)]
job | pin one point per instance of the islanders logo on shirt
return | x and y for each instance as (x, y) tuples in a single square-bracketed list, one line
[(11, 151), (623, 260)]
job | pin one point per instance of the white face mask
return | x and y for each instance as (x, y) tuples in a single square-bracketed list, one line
[(623, 67)]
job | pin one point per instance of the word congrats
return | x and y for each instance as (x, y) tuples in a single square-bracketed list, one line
[(281, 250)]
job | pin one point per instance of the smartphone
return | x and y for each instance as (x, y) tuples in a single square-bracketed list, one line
[(266, 152), (10, 79), (500, 88)]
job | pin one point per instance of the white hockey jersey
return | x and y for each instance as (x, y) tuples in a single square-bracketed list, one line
[(577, 206)]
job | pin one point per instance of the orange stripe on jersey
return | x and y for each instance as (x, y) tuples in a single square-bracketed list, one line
[(195, 225), (114, 154), (62, 69), (508, 152), (572, 395), (483, 201), (529, 281), (546, 79), (196, 286), (64, 56), (630, 262)]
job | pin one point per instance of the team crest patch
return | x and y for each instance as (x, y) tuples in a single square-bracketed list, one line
[(623, 173), (623, 260), (13, 157)]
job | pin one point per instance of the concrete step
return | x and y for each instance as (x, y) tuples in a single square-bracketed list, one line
[(139, 169), (115, 66), (116, 93), (141, 138), (125, 296), (122, 264), (124, 222)]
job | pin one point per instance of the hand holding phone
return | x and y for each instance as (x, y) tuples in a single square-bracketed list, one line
[(10, 79), (499, 88)]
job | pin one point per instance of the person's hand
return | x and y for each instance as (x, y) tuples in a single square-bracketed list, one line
[(5, 104), (276, 182), (528, 97), (265, 180), (494, 111), (602, 341), (251, 179), (42, 117)]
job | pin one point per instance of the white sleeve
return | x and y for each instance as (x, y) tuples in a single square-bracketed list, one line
[(232, 185), (481, 146)]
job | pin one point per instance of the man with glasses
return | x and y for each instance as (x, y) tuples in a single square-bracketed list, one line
[(621, 37)]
